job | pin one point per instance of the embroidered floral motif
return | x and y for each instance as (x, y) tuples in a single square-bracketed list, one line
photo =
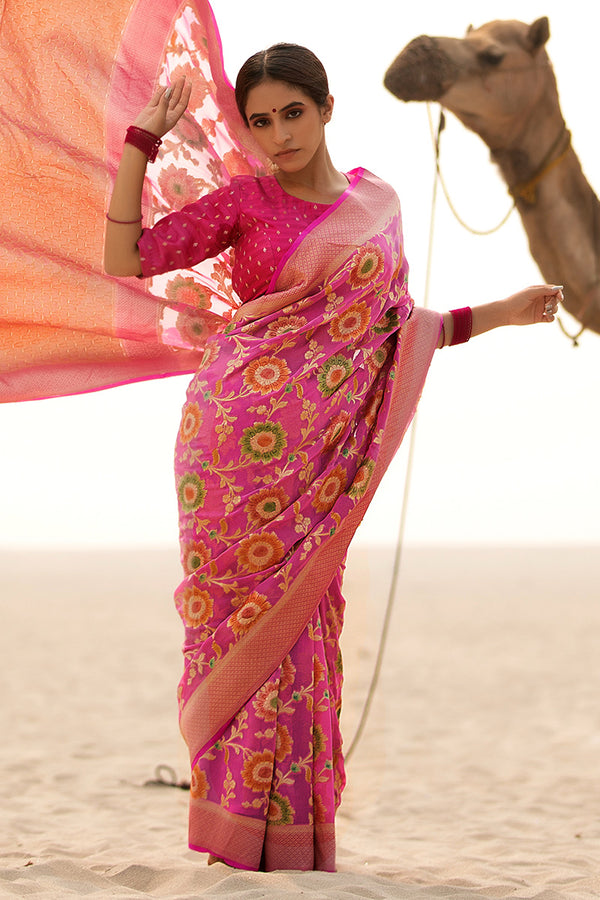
[(266, 703), (244, 618), (263, 441), (196, 606), (191, 420), (285, 324), (330, 489), (350, 324), (266, 374), (281, 811), (333, 373), (198, 784), (257, 771), (260, 551), (191, 491), (266, 504), (195, 554), (368, 263), (178, 187), (334, 430), (362, 478), (189, 292)]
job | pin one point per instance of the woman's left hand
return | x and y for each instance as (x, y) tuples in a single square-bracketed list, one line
[(538, 303)]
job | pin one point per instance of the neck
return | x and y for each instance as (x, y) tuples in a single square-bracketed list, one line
[(319, 180)]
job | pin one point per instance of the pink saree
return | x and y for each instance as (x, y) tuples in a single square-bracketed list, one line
[(298, 403)]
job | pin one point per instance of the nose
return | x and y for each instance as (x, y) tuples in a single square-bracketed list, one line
[(281, 132)]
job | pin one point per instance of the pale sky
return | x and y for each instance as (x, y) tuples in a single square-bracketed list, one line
[(508, 432)]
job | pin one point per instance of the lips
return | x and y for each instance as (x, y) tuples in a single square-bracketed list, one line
[(284, 154)]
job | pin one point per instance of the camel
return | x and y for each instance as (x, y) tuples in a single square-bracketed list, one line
[(499, 82)]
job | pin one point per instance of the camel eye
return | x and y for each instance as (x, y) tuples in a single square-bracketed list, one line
[(491, 56)]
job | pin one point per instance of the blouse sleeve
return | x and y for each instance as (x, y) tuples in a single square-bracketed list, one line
[(198, 231)]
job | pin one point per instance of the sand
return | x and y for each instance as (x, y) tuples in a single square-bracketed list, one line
[(477, 775)]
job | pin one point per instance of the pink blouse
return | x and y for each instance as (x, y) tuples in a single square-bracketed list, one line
[(254, 216)]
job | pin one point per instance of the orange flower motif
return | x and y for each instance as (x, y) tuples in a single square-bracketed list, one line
[(319, 740), (373, 408), (266, 504), (369, 262), (199, 784), (334, 430), (210, 355), (248, 615), (188, 291), (257, 771), (266, 375), (266, 703), (318, 669), (191, 420), (284, 324), (350, 324), (194, 556), (235, 162), (319, 811), (330, 489), (196, 606), (260, 551), (284, 743), (193, 327), (178, 187), (288, 673), (200, 86)]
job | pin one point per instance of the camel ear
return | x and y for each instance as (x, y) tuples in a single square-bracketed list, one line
[(539, 32)]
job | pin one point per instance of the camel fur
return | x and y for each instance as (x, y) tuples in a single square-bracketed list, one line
[(499, 82)]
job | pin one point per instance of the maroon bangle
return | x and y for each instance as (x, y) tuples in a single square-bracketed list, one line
[(462, 320), (144, 140), (122, 222)]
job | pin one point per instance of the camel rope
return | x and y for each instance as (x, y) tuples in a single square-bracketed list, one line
[(459, 219), (527, 190)]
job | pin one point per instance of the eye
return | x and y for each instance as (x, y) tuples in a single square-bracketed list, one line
[(294, 113), (491, 56), (260, 123)]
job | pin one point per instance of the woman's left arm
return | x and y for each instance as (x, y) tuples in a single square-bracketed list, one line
[(534, 304)]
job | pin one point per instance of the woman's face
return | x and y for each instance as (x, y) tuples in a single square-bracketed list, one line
[(287, 124)]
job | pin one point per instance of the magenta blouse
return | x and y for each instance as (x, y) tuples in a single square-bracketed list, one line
[(254, 216)]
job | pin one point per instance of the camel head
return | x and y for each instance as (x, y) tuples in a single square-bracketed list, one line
[(492, 79)]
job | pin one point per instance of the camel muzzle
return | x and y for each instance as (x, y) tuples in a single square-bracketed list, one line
[(422, 71)]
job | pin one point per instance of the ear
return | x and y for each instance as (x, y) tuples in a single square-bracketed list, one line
[(538, 34), (327, 109)]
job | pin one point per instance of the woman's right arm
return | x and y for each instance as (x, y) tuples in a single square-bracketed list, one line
[(123, 225)]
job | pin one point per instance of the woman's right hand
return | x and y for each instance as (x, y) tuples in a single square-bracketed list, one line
[(165, 108)]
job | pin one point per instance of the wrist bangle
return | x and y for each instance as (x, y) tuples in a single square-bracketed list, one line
[(121, 222), (144, 140), (462, 320)]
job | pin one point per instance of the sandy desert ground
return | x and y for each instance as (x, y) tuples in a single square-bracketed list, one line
[(477, 777)]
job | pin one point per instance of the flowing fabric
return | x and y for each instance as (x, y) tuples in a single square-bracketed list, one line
[(299, 400), (73, 77)]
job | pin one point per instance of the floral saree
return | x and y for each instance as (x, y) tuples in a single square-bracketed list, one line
[(298, 402), (288, 427)]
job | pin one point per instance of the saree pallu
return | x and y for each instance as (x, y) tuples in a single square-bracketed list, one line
[(288, 427)]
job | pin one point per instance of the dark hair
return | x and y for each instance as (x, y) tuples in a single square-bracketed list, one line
[(296, 65)]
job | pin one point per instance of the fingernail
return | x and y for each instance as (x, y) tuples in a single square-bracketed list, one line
[(168, 93)]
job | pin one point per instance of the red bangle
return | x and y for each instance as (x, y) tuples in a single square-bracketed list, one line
[(462, 320), (144, 140)]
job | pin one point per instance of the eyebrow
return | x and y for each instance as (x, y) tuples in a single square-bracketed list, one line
[(283, 109)]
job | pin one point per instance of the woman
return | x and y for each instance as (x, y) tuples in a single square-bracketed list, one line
[(290, 421)]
